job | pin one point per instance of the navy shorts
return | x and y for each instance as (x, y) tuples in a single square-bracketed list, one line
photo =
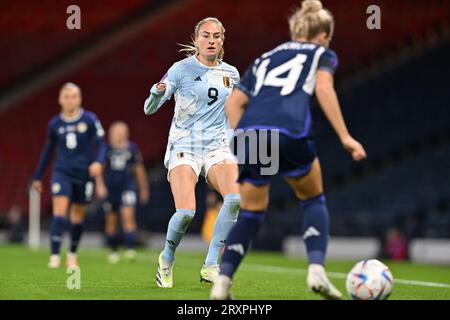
[(120, 197), (291, 157), (77, 189)]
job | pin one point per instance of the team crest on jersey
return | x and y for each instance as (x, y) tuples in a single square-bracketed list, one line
[(227, 81), (56, 187), (82, 127)]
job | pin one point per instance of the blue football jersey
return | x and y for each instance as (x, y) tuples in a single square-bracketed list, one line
[(199, 123), (280, 85), (78, 142), (119, 165)]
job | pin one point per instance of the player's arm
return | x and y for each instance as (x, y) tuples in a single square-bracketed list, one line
[(141, 178), (329, 103), (239, 97), (235, 106), (97, 167), (44, 159), (162, 91)]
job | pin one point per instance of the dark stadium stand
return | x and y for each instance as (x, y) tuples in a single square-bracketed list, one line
[(416, 184), (388, 113), (391, 113), (36, 35)]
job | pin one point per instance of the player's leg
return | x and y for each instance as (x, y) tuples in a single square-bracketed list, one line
[(111, 231), (129, 229), (60, 208), (77, 211), (254, 203), (222, 176), (309, 190), (182, 180), (83, 190), (61, 195)]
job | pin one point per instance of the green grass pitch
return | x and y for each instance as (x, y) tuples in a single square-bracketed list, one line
[(24, 275)]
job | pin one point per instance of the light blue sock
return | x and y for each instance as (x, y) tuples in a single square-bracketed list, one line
[(178, 225), (225, 221)]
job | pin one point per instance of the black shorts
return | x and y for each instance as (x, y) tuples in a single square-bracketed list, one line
[(291, 157)]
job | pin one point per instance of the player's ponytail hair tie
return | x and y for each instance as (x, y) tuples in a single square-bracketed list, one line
[(192, 49), (310, 20)]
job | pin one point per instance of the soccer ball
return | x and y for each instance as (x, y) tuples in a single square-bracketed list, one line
[(369, 280)]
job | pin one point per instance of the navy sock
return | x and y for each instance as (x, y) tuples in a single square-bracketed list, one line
[(238, 240), (113, 241), (75, 235), (129, 239), (315, 228), (56, 232)]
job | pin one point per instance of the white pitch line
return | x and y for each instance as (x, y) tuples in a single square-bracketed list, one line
[(336, 275)]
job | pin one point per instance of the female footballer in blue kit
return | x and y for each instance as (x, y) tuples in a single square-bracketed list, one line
[(75, 134), (275, 93), (125, 176), (198, 142)]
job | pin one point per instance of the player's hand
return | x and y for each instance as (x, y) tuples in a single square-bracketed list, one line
[(354, 147), (95, 169), (161, 87), (100, 190), (144, 196), (37, 185)]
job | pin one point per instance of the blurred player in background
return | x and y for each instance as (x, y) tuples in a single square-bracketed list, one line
[(276, 93), (124, 173), (198, 143), (78, 138)]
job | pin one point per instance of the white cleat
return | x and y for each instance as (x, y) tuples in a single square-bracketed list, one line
[(164, 275), (54, 261), (130, 255), (113, 258), (209, 273), (71, 260), (221, 288), (318, 282)]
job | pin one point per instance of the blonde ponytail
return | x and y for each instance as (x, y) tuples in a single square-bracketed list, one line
[(311, 6), (310, 20)]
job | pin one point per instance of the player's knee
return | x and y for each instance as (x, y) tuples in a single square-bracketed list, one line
[(129, 223), (110, 229), (183, 218), (317, 199), (310, 192), (232, 199)]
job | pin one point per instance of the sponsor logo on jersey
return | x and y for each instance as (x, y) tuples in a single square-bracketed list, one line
[(198, 79), (71, 128), (82, 127)]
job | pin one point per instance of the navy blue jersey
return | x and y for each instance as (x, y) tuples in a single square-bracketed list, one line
[(280, 85), (119, 167), (78, 143)]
